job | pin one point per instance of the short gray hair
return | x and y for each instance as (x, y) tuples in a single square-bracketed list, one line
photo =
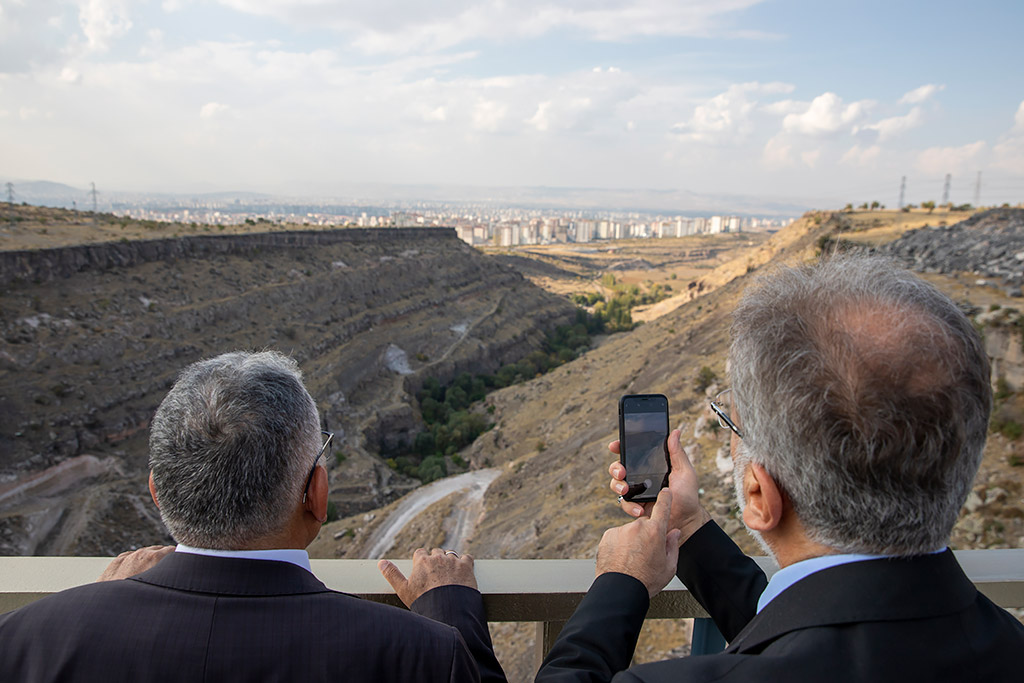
[(230, 447), (865, 393)]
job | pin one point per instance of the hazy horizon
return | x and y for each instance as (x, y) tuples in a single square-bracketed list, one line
[(786, 102)]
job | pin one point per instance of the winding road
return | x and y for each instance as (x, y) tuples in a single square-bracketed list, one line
[(462, 519)]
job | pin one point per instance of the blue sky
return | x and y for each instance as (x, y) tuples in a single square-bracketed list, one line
[(814, 102)]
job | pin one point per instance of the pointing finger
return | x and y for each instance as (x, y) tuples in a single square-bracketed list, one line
[(662, 508), (393, 575)]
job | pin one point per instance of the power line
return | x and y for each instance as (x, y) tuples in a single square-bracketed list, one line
[(945, 190), (94, 193)]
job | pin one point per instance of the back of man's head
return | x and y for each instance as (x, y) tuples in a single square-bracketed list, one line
[(865, 393), (230, 447)]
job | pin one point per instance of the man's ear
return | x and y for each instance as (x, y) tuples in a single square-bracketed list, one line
[(152, 489), (763, 511), (316, 501)]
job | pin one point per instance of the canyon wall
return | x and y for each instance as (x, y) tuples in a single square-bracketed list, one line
[(92, 336)]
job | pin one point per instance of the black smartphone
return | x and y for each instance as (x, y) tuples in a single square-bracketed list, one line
[(643, 445)]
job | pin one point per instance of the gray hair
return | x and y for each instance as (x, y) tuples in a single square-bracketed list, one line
[(230, 448), (865, 393)]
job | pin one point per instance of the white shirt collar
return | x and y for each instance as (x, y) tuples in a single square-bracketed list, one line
[(786, 577), (299, 558)]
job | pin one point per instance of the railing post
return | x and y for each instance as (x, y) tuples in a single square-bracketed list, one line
[(707, 639), (547, 634)]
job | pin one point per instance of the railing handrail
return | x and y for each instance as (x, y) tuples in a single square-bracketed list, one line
[(513, 590)]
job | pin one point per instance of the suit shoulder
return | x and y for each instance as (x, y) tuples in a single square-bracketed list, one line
[(382, 616)]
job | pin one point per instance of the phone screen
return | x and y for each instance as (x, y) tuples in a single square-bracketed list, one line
[(643, 444)]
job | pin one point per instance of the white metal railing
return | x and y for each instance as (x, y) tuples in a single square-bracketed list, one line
[(542, 591)]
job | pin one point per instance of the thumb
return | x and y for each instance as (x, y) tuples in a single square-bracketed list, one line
[(672, 546), (393, 575), (677, 456)]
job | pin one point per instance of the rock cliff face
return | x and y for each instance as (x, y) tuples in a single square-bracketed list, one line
[(93, 336), (990, 244)]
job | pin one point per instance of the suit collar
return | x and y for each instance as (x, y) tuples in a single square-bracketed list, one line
[(874, 590), (230, 576)]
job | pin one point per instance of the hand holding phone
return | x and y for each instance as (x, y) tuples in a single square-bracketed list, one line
[(643, 445)]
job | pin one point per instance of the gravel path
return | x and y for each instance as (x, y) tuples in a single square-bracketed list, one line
[(463, 518)]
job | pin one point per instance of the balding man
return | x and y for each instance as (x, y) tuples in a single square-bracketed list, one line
[(235, 458), (858, 414)]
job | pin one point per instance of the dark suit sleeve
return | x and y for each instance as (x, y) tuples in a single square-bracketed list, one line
[(599, 639), (463, 608), (726, 582)]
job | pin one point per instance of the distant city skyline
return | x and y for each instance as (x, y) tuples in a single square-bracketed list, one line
[(767, 102)]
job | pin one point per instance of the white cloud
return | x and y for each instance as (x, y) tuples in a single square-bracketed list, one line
[(102, 21), (1008, 153), (174, 5), (401, 26), (777, 153), (826, 116), (70, 75), (893, 126), (783, 107), (540, 119), (488, 115), (811, 157), (725, 118), (212, 110), (1018, 119), (919, 95), (937, 160), (861, 156), (31, 34), (436, 115)]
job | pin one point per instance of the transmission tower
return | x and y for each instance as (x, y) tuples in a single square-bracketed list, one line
[(945, 190), (94, 193), (903, 189), (977, 191)]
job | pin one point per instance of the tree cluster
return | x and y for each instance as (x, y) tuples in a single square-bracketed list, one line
[(450, 423)]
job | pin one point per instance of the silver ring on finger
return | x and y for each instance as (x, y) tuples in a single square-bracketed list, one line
[(451, 552)]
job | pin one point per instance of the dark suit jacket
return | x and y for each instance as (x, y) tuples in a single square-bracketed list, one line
[(916, 619), (199, 618)]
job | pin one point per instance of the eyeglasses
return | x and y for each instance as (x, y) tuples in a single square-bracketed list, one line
[(722, 407), (309, 479)]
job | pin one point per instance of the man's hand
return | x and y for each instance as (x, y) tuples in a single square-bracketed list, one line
[(687, 513), (132, 562), (645, 549), (429, 570)]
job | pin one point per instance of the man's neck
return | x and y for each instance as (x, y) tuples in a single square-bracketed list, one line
[(790, 543)]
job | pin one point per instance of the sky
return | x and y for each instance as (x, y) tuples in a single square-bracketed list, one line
[(812, 101)]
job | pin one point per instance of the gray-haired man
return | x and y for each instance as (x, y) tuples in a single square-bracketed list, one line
[(859, 407), (235, 453)]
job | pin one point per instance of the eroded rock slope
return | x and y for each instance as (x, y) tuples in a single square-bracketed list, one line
[(92, 337)]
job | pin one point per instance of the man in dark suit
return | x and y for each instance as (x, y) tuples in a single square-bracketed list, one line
[(859, 407), (235, 452)]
